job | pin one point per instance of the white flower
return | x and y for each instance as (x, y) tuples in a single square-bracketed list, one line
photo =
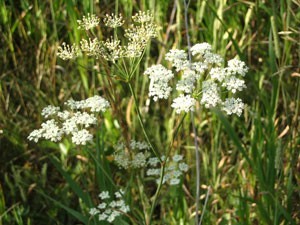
[(178, 58), (153, 161), (159, 77), (183, 167), (102, 205), (85, 119), (233, 106), (81, 137), (49, 111), (177, 158), (234, 84), (35, 135), (97, 104), (142, 17), (69, 126), (111, 210), (104, 195), (183, 103), (236, 66), (218, 73), (199, 67), (186, 84), (93, 211), (140, 145), (201, 48), (102, 216), (153, 172), (113, 20), (88, 22), (122, 159), (63, 115), (51, 131), (210, 94), (211, 58), (139, 160), (66, 52), (119, 193), (92, 47)]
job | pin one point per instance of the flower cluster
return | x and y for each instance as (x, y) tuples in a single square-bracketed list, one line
[(173, 171), (74, 122), (138, 35), (108, 210), (134, 157), (159, 78), (67, 52), (113, 20), (88, 22), (204, 78)]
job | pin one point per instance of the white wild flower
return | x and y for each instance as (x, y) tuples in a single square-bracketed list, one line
[(104, 195), (210, 94), (92, 47), (67, 52), (70, 122), (178, 58), (234, 84), (114, 49), (199, 68), (218, 73), (51, 131), (183, 103), (113, 20), (159, 77), (187, 83), (174, 169), (201, 49), (111, 209), (233, 106), (49, 111), (177, 158), (236, 66), (88, 22), (81, 137), (142, 17), (212, 58), (132, 159), (97, 104)]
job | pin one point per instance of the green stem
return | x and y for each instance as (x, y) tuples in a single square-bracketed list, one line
[(162, 172), (141, 122)]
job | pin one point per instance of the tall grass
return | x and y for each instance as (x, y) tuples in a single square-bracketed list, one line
[(251, 163)]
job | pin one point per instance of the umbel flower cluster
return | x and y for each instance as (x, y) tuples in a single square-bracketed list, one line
[(108, 210), (174, 170), (204, 79), (135, 157), (137, 34), (138, 157), (74, 121)]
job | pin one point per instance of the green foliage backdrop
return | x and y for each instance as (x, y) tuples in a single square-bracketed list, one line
[(251, 163)]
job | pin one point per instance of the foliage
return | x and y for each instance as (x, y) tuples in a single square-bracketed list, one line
[(249, 165)]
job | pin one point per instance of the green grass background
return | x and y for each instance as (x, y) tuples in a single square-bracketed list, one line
[(251, 163)]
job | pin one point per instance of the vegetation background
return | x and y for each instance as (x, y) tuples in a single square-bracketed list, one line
[(251, 163)]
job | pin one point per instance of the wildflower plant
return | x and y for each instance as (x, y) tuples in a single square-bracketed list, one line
[(205, 80), (74, 121)]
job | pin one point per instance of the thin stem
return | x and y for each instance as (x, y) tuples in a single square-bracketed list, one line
[(162, 172), (186, 6), (205, 203), (141, 122), (136, 66)]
